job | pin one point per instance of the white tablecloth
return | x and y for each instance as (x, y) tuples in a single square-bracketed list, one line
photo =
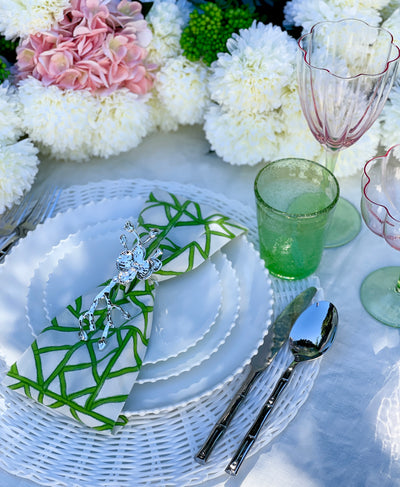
[(348, 431)]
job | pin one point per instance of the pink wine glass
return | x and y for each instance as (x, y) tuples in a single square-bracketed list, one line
[(380, 208), (345, 71)]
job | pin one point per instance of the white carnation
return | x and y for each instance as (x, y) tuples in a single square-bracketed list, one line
[(242, 137), (296, 138), (182, 89), (362, 4), (185, 7), (306, 13), (10, 122), (76, 125), (18, 168), (390, 119), (166, 20), (160, 116), (253, 74), (352, 159), (249, 137), (19, 18), (392, 24), (61, 121), (122, 121)]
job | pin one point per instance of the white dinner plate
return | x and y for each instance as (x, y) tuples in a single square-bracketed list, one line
[(77, 269), (66, 270), (214, 366)]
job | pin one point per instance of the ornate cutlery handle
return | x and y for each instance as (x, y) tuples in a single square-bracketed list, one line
[(226, 418), (251, 436)]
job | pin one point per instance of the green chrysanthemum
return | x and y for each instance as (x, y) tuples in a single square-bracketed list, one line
[(208, 30)]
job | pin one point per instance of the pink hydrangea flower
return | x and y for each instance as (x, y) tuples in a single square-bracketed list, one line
[(98, 46)]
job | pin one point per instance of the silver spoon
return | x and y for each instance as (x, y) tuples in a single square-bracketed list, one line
[(312, 335)]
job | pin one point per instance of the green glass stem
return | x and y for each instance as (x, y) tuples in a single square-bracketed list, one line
[(346, 222), (380, 295), (331, 157)]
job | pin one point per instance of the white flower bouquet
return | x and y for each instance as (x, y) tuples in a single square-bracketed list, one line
[(95, 77)]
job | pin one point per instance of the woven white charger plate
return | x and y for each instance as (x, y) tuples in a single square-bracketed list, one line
[(156, 449)]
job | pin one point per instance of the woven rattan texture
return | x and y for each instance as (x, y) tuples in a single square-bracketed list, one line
[(157, 448)]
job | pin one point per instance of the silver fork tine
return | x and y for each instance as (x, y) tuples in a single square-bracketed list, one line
[(15, 215), (44, 207)]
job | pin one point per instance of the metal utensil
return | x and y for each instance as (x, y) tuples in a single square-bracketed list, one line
[(42, 209), (15, 215), (273, 341), (311, 336)]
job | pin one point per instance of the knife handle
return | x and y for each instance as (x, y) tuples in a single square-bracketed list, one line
[(223, 422), (251, 436)]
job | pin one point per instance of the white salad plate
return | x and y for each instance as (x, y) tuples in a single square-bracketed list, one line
[(208, 365)]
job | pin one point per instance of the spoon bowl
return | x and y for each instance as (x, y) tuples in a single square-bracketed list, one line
[(314, 331), (311, 336)]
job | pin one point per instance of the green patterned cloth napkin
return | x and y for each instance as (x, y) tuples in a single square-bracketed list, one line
[(87, 379)]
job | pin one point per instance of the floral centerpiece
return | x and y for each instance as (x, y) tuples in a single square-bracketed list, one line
[(94, 77), (83, 83)]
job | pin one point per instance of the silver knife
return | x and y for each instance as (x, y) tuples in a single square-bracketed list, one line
[(275, 338)]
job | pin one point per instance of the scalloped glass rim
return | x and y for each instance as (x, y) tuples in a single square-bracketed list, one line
[(315, 26), (366, 181)]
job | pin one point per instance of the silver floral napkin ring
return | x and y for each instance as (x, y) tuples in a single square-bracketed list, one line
[(130, 264)]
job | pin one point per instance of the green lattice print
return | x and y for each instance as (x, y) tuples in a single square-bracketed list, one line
[(177, 220), (69, 375)]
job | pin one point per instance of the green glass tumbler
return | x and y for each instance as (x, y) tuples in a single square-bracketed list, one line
[(296, 199)]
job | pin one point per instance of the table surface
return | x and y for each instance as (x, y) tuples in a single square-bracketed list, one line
[(347, 432)]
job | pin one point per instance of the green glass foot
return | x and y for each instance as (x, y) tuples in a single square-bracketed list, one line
[(379, 297), (345, 225)]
